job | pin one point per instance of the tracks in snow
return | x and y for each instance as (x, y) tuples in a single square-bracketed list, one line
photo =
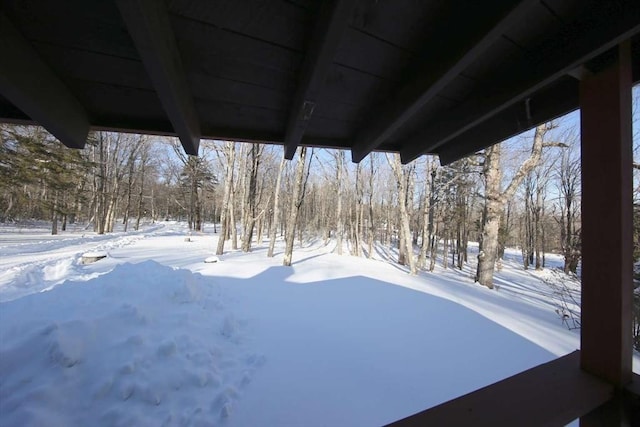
[(33, 267)]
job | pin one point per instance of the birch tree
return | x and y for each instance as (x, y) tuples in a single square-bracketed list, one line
[(402, 182), (143, 167), (496, 199), (339, 162), (251, 195), (276, 210), (296, 202), (229, 156)]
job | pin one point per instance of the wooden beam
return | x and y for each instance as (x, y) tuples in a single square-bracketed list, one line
[(435, 76), (607, 246), (574, 45), (148, 24), (552, 394), (30, 84), (554, 101), (624, 410), (330, 26)]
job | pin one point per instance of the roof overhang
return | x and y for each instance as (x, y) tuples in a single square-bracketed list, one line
[(440, 77)]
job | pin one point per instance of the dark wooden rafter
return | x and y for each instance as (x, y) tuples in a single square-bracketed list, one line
[(554, 101), (558, 99), (438, 74), (30, 84), (330, 26), (580, 43), (148, 24)]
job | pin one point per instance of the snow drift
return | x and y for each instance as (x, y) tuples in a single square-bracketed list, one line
[(142, 345)]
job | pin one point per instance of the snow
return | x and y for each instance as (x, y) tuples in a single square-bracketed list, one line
[(151, 335), (95, 254), (211, 259), (142, 345)]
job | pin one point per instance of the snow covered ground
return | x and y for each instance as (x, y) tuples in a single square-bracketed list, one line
[(152, 335)]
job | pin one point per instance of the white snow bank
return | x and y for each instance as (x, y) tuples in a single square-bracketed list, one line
[(58, 270), (357, 351), (142, 345), (150, 345), (94, 254)]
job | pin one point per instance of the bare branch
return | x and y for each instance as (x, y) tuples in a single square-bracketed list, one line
[(555, 144)]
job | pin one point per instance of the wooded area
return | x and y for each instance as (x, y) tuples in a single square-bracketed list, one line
[(524, 193)]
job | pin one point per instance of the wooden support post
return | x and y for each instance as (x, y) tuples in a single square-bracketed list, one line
[(605, 102)]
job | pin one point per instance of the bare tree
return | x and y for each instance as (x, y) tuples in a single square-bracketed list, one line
[(496, 198), (569, 201), (372, 228), (144, 164), (296, 202), (229, 155), (339, 162), (251, 195), (532, 229), (110, 154), (402, 181), (276, 209), (133, 162), (426, 210)]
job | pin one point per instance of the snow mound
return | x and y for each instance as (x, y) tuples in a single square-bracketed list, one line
[(142, 345), (95, 254), (58, 270), (212, 259)]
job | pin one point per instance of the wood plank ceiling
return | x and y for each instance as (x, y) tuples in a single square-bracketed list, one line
[(445, 77)]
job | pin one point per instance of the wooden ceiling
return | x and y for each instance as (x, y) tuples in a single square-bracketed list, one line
[(414, 76)]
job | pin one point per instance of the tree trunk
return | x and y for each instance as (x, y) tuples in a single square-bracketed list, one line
[(538, 239), (153, 204), (198, 212), (570, 206), (339, 222), (54, 215), (434, 250), (232, 221), (242, 186), (426, 210), (251, 196), (228, 188), (402, 182), (488, 252), (495, 201), (276, 210), (296, 202), (357, 217), (5, 215), (141, 196), (100, 215), (402, 246), (127, 208), (372, 228), (432, 209), (445, 250), (259, 230)]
